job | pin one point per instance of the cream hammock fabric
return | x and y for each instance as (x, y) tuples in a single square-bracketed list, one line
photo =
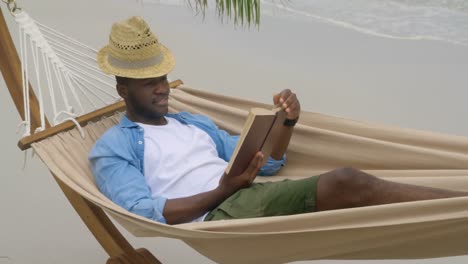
[(423, 229)]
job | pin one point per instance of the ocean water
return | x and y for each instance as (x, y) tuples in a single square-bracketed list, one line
[(440, 20)]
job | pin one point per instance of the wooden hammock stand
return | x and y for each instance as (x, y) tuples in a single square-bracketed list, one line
[(114, 243)]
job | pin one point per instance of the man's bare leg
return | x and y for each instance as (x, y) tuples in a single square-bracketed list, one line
[(348, 187)]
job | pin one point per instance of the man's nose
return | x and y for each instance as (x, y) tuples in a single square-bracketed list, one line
[(162, 89)]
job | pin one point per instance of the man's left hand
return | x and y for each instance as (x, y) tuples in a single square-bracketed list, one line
[(289, 102)]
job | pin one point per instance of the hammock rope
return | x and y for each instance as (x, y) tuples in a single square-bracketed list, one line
[(67, 67), (24, 72)]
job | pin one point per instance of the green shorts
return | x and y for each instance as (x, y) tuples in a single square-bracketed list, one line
[(286, 197)]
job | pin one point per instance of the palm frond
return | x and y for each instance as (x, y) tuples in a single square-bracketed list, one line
[(243, 12)]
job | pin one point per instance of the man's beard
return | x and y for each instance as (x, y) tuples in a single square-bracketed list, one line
[(143, 111)]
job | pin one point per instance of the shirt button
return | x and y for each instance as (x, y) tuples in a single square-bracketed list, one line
[(140, 142)]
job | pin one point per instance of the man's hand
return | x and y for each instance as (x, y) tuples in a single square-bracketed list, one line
[(182, 210), (235, 183), (289, 102)]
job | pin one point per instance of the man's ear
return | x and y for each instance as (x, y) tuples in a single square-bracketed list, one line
[(122, 90)]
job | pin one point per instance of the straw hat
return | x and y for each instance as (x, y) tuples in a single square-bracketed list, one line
[(134, 51)]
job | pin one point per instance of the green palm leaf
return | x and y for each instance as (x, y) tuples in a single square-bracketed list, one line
[(244, 12)]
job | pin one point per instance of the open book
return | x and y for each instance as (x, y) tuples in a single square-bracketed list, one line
[(260, 132)]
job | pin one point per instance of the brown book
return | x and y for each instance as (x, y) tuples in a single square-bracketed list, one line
[(260, 132)]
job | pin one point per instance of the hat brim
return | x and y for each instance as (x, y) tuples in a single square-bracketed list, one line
[(161, 69)]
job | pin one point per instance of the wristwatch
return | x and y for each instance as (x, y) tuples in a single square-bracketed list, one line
[(290, 122)]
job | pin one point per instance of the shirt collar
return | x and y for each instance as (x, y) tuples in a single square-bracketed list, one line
[(127, 123)]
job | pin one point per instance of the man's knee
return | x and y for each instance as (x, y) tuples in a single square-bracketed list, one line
[(349, 178), (347, 187)]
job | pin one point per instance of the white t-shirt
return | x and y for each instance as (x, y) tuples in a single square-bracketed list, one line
[(180, 160)]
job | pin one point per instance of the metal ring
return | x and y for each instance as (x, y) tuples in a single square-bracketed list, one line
[(13, 7)]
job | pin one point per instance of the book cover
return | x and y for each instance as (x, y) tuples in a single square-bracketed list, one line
[(260, 132)]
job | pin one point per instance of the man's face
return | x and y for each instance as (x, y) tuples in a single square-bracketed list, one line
[(148, 98)]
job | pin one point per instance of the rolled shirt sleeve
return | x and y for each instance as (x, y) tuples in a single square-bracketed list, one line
[(272, 166)]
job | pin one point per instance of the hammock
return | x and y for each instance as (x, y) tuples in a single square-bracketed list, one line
[(422, 229)]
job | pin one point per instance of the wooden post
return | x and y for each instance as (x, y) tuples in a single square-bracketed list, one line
[(105, 232)]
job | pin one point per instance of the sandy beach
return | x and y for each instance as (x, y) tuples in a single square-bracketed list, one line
[(337, 71)]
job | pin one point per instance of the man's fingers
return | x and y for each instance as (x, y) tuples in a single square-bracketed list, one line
[(284, 95), (258, 164), (276, 99), (289, 101), (294, 107), (255, 164)]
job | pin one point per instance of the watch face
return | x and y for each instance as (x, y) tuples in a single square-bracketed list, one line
[(290, 122)]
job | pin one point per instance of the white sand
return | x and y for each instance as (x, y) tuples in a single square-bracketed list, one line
[(418, 84)]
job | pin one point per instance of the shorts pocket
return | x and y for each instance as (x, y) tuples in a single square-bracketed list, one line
[(245, 203)]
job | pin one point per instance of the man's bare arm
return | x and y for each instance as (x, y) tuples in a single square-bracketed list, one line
[(183, 210), (283, 142), (289, 102)]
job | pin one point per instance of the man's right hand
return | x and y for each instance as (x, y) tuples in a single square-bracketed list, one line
[(234, 183), (182, 210)]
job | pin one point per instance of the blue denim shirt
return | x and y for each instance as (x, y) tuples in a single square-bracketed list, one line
[(117, 163)]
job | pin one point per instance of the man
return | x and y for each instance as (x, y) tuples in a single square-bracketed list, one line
[(170, 167)]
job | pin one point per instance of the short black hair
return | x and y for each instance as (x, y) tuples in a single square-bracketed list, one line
[(121, 80)]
